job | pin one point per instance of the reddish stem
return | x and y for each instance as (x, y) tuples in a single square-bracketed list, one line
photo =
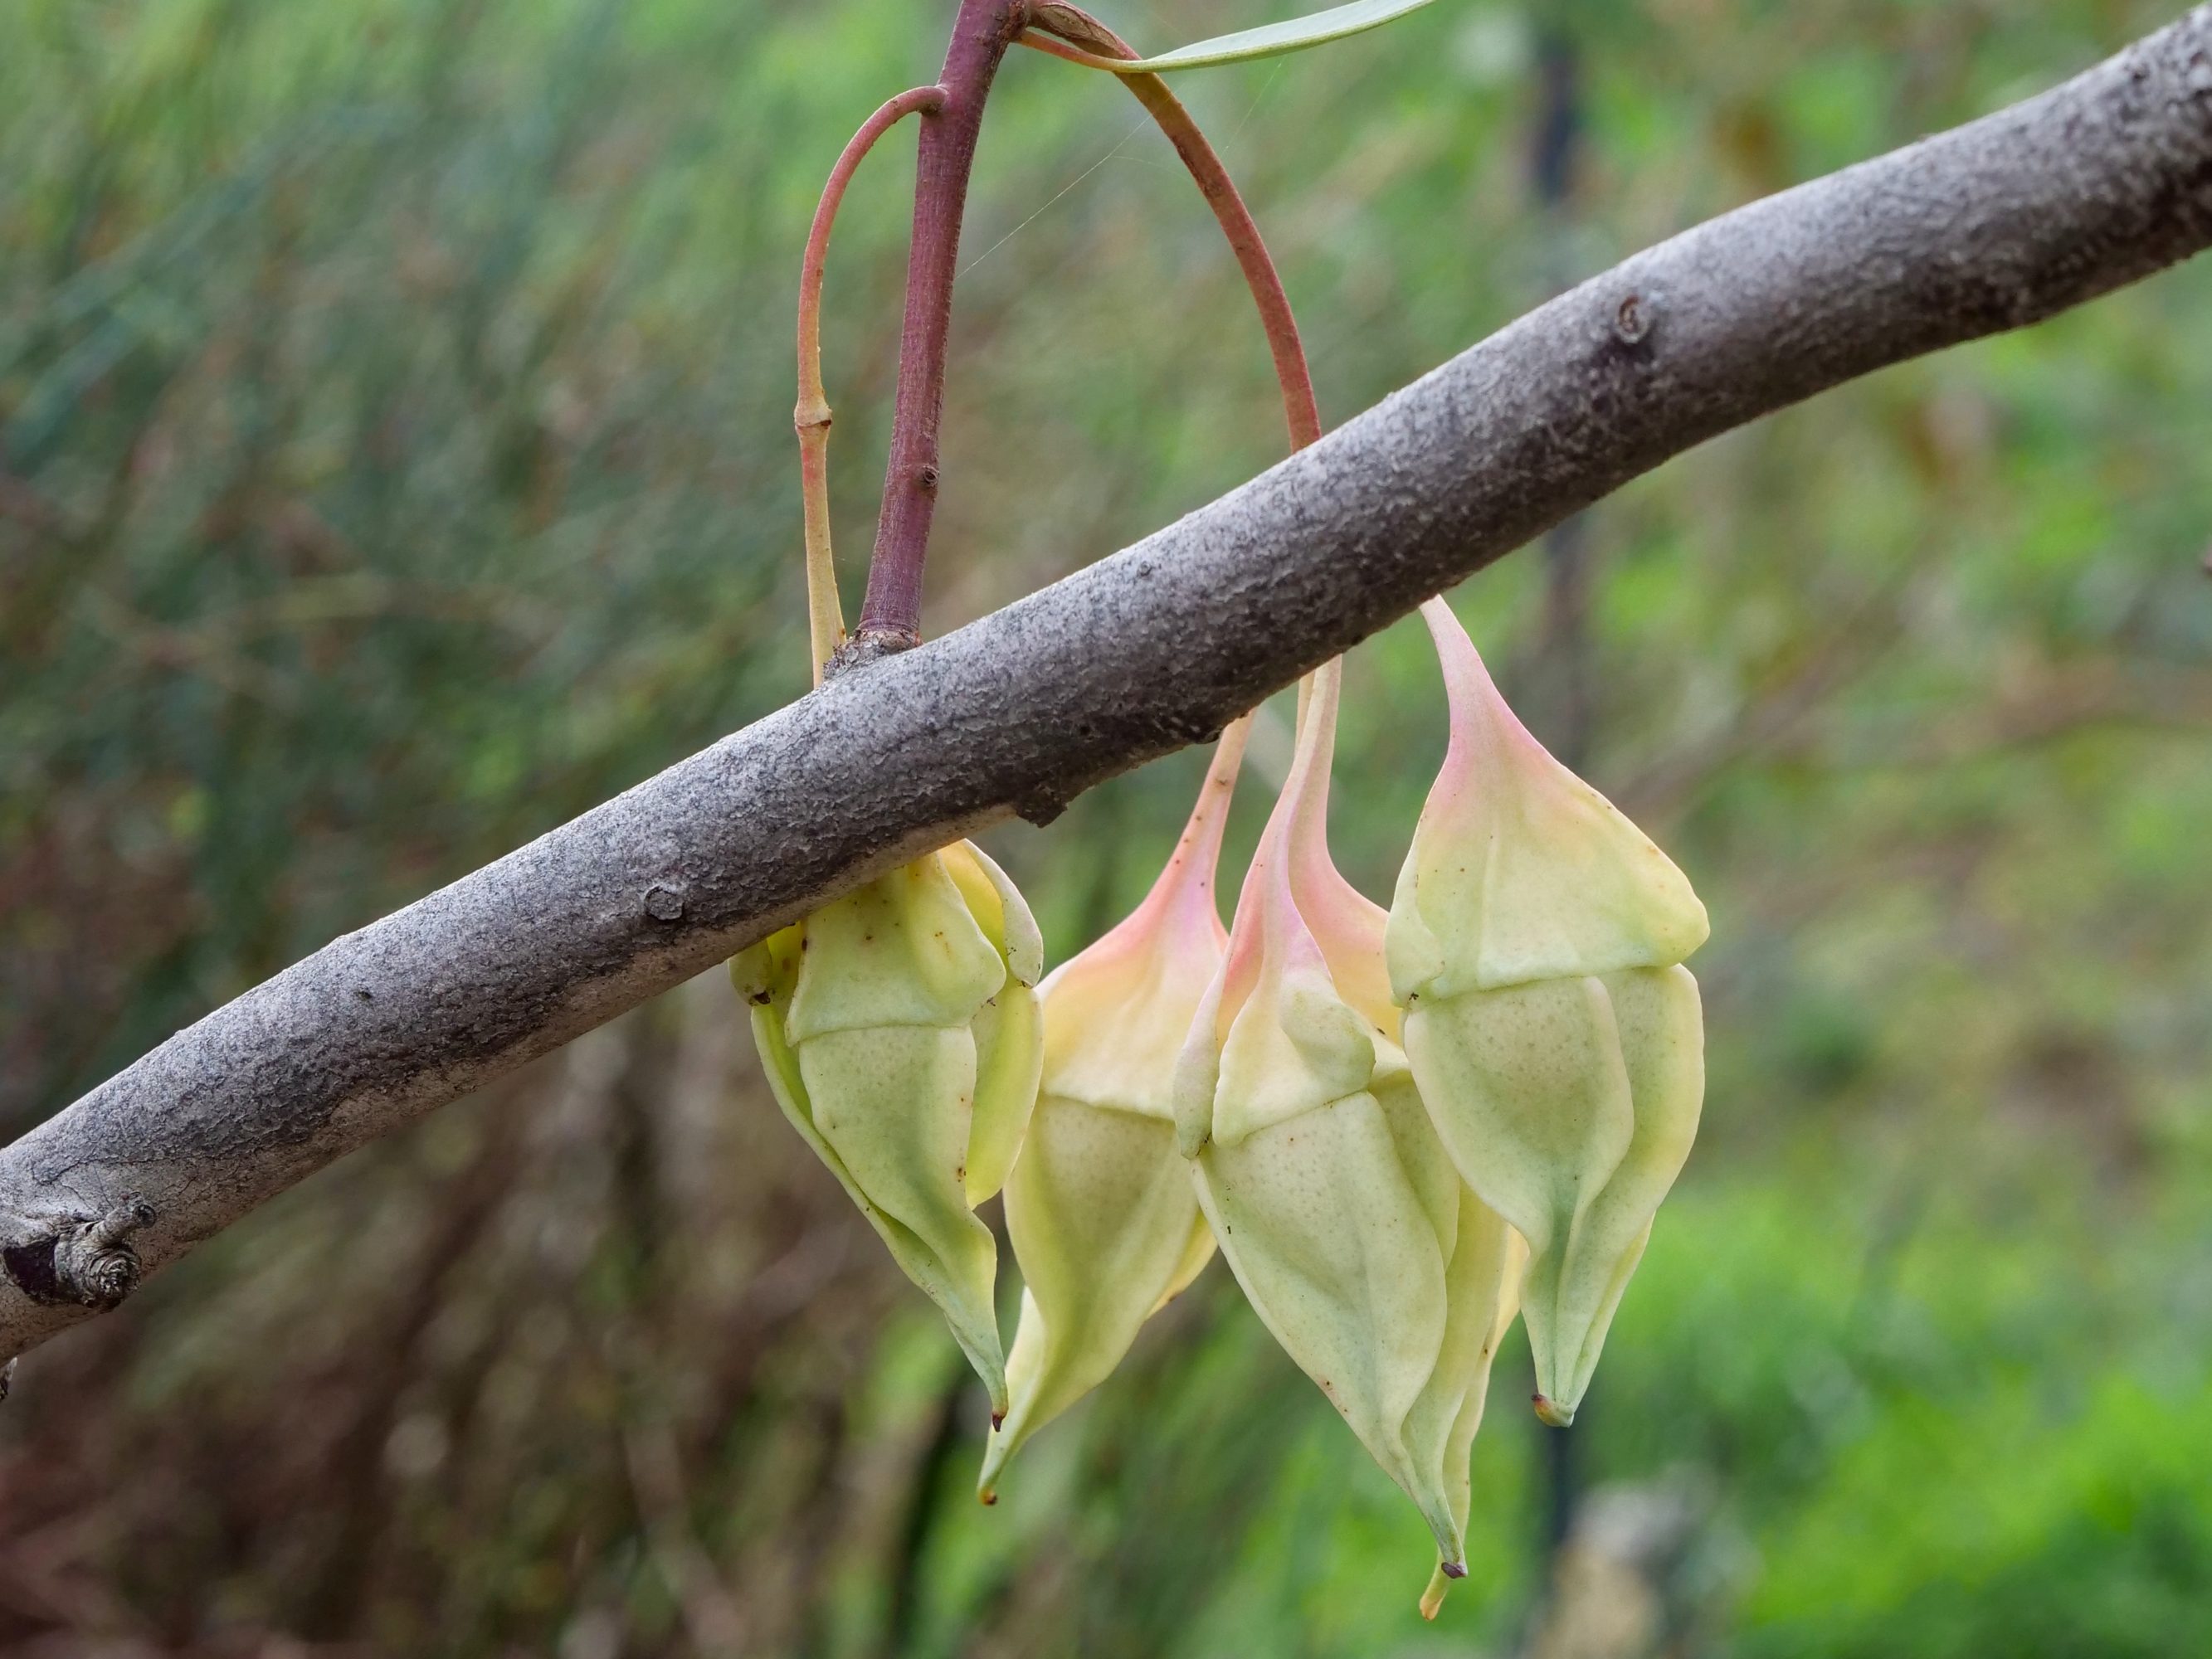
[(890, 616), (825, 617), (1095, 39)]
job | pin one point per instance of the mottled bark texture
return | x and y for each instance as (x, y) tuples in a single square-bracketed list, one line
[(1997, 224)]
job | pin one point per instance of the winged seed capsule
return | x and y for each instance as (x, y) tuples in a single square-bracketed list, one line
[(1534, 943), (1100, 1206), (901, 1035), (1381, 1274)]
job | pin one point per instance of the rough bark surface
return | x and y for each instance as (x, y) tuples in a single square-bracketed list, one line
[(2101, 182)]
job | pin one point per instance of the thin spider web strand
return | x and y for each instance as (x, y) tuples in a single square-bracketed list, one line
[(1055, 197)]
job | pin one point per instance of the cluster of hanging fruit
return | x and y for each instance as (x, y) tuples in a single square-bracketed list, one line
[(1401, 1129), (1398, 1127)]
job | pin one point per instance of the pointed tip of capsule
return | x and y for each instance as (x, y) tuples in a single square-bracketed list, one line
[(1447, 1574), (996, 1393), (998, 1450), (1551, 1413)]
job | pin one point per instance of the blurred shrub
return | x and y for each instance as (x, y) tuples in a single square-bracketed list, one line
[(394, 405)]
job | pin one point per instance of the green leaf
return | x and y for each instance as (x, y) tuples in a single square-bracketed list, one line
[(1274, 40)]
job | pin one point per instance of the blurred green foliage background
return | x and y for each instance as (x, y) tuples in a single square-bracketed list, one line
[(395, 459)]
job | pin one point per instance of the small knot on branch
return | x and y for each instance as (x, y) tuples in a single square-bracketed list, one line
[(86, 1260), (1632, 320), (1040, 807)]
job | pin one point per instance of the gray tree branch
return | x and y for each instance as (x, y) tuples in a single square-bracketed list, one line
[(1995, 225)]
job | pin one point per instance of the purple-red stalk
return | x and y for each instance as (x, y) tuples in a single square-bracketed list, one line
[(890, 616)]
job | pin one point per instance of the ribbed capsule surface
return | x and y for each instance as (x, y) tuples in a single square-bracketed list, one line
[(1100, 1209), (899, 1031), (1383, 1275), (1534, 943)]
